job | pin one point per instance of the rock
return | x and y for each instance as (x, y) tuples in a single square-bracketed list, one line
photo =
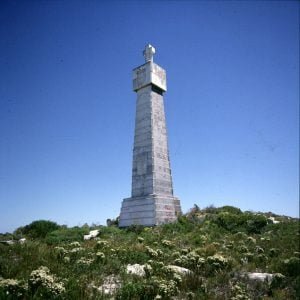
[(91, 235), (180, 270), (259, 276), (9, 242), (22, 241), (110, 285), (273, 220), (136, 269)]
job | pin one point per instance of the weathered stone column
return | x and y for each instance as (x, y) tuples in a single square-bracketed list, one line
[(152, 201)]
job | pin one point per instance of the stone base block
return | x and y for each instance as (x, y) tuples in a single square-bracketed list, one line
[(149, 210)]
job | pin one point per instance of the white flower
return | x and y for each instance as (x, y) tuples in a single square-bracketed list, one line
[(75, 244), (66, 259), (140, 239), (43, 277), (84, 261), (76, 250), (101, 244), (151, 252), (167, 243), (100, 255)]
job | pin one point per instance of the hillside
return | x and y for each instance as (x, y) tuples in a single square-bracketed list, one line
[(213, 253)]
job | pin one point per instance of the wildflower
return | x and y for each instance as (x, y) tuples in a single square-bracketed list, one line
[(273, 252), (240, 235), (261, 257), (84, 261), (167, 270), (200, 262), (147, 269), (175, 254), (297, 253), (159, 252), (151, 252), (177, 278), (167, 288), (101, 244), (140, 239), (217, 261), (43, 278), (243, 249), (251, 239), (229, 245), (244, 260), (184, 251), (249, 256), (259, 249), (160, 264), (100, 255), (76, 250), (66, 259), (113, 252), (60, 251), (13, 287), (167, 243), (75, 244), (239, 292)]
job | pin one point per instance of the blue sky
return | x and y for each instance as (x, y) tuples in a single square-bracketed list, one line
[(67, 106)]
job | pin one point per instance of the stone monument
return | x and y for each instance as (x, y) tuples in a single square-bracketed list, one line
[(152, 201)]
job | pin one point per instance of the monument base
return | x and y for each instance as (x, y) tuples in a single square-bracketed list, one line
[(149, 210)]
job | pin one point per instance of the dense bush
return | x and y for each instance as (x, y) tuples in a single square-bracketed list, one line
[(38, 229), (230, 209), (66, 235), (249, 223), (291, 266)]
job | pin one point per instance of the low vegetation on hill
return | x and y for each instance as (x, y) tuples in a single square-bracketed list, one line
[(213, 253)]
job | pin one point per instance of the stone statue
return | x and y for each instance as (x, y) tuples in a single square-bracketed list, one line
[(148, 53)]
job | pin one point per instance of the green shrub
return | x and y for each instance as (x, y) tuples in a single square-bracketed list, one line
[(38, 229), (291, 266), (12, 289), (247, 222), (230, 209), (132, 291), (66, 235), (43, 284), (230, 222), (135, 228), (255, 223), (210, 209)]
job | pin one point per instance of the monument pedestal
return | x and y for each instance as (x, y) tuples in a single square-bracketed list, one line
[(149, 210)]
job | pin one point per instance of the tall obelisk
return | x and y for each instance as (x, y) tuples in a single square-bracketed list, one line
[(152, 201)]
